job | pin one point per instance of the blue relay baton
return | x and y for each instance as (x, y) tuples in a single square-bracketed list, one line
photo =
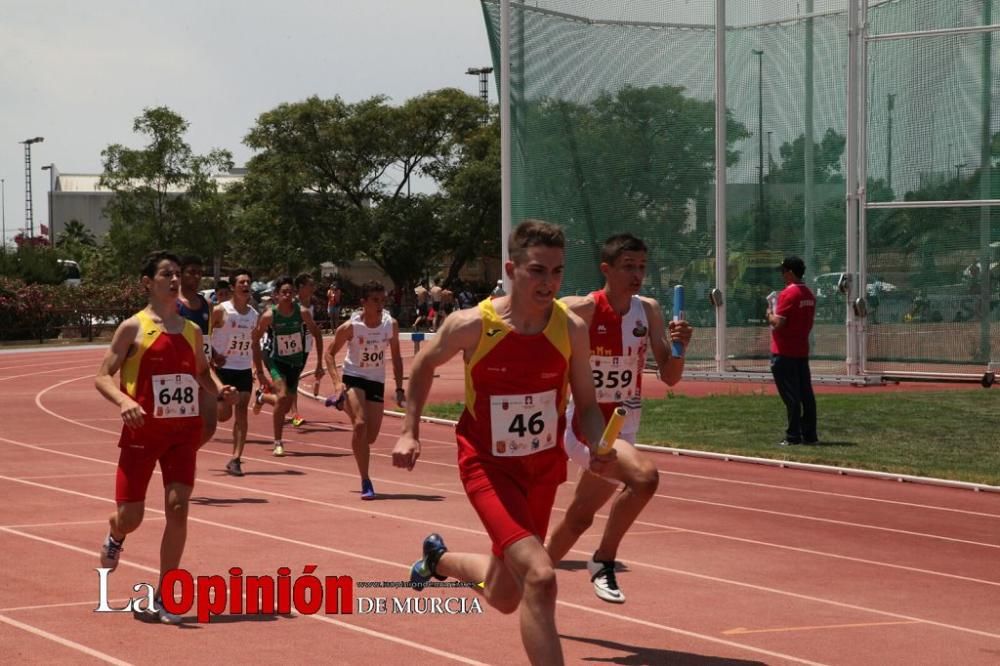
[(676, 347)]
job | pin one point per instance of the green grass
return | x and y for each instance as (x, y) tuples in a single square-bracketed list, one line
[(947, 434)]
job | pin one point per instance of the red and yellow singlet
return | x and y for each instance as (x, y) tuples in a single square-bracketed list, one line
[(516, 388), (162, 377)]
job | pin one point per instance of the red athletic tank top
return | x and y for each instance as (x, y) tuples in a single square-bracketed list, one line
[(516, 388), (161, 376)]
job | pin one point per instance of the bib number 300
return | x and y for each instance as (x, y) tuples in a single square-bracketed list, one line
[(176, 396), (523, 424)]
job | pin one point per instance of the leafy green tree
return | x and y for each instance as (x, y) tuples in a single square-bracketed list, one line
[(75, 234), (164, 194), (632, 160), (331, 179), (470, 212), (826, 160), (33, 264)]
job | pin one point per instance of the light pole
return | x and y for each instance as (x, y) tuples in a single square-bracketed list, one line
[(29, 213), (52, 185), (958, 171), (770, 160), (3, 205), (484, 86), (760, 143), (888, 157)]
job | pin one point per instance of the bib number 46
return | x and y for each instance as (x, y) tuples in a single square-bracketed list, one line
[(534, 426)]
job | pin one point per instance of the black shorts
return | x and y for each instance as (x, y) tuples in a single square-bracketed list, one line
[(422, 309), (241, 379), (288, 373), (374, 391)]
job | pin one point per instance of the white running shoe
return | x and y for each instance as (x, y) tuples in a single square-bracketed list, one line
[(160, 615), (602, 575), (279, 450)]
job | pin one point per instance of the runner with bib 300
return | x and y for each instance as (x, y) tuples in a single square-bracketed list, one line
[(370, 335)]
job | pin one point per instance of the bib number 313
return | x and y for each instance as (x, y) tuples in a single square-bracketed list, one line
[(176, 396), (523, 424)]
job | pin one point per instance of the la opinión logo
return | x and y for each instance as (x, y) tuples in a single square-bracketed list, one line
[(238, 594)]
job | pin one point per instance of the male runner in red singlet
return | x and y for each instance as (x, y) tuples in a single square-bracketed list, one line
[(621, 323), (522, 353), (196, 309), (163, 370)]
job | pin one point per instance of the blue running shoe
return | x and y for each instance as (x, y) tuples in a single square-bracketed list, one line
[(367, 489), (426, 567)]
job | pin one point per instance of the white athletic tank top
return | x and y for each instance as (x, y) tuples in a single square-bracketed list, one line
[(367, 348), (233, 338), (306, 335)]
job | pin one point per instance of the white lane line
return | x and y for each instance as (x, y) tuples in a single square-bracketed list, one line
[(691, 634), (67, 523), (73, 645), (624, 618), (419, 646), (67, 604), (43, 372), (696, 476), (62, 476), (321, 618), (827, 493), (830, 521), (638, 522)]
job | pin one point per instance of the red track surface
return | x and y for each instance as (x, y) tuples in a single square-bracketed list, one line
[(730, 563)]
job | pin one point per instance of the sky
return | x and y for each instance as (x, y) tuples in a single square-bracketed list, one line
[(79, 73)]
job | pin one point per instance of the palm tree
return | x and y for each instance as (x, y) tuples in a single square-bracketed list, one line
[(76, 234)]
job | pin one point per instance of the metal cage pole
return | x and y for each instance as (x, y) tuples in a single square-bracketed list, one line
[(809, 196), (852, 178), (861, 320), (985, 184), (505, 140), (720, 183)]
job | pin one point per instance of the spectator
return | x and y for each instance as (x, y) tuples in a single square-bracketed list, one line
[(791, 320)]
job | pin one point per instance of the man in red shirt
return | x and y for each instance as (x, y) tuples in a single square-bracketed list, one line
[(791, 319)]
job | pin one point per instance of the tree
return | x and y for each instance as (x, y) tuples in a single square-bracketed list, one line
[(331, 179), (826, 160), (74, 240), (470, 213), (633, 160), (164, 194)]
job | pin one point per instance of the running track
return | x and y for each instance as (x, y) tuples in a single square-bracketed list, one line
[(730, 563)]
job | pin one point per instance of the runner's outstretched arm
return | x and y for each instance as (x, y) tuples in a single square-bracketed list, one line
[(121, 347), (459, 333), (581, 382)]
